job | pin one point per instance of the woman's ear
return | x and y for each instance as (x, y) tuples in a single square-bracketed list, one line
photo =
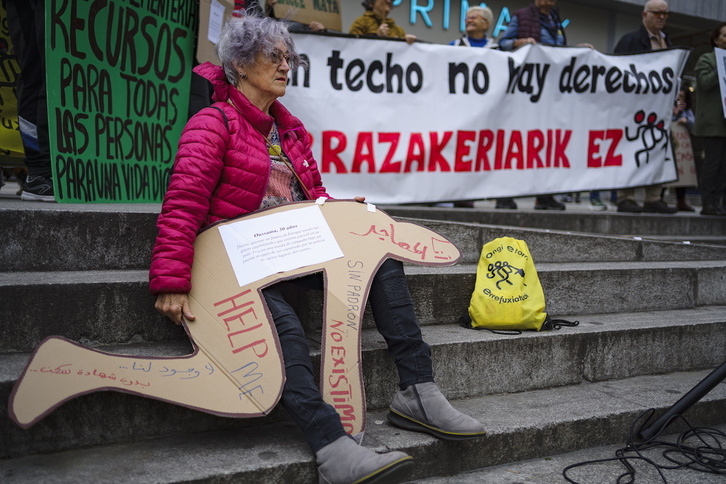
[(240, 71)]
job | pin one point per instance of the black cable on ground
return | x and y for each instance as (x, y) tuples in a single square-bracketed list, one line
[(707, 454)]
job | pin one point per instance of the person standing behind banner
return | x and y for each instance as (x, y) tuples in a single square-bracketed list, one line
[(538, 23), (711, 126), (375, 21), (648, 37), (477, 22), (26, 22), (681, 129)]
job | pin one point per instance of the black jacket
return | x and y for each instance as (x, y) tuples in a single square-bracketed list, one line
[(636, 41)]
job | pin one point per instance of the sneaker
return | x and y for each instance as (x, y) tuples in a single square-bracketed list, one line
[(548, 203), (659, 206), (507, 203), (38, 188), (597, 204), (629, 206)]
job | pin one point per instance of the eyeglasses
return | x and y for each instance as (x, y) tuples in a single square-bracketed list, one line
[(474, 17), (276, 57), (659, 13)]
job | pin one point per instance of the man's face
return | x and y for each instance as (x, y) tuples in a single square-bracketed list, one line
[(655, 15), (545, 6)]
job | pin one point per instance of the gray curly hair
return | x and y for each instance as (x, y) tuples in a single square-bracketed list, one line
[(243, 38)]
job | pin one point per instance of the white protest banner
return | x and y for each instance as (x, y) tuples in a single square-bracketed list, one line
[(721, 69), (402, 123)]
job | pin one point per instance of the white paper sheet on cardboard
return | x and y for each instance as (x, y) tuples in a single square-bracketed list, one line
[(280, 242)]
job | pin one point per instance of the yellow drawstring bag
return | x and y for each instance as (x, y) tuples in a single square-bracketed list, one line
[(508, 294)]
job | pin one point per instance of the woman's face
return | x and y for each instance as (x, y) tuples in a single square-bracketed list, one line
[(476, 25), (382, 7), (720, 41), (267, 77)]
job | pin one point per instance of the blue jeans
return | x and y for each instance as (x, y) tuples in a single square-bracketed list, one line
[(393, 313)]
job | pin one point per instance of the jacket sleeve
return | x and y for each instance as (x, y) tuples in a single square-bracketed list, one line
[(197, 168), (318, 190), (622, 46), (506, 41), (706, 73), (314, 181)]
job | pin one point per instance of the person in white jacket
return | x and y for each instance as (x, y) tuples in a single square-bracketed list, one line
[(478, 21)]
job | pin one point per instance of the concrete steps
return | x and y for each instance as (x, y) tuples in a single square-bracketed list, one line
[(653, 323), (468, 364), (597, 465), (521, 426), (606, 223), (105, 237), (111, 307)]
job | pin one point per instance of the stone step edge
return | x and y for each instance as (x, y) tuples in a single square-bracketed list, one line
[(521, 426), (471, 236), (549, 469), (494, 216), (141, 275), (12, 364), (449, 342)]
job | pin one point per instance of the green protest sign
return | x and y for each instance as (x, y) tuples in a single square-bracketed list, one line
[(118, 75)]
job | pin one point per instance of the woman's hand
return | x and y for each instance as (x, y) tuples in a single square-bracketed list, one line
[(359, 199), (382, 30), (316, 26), (174, 306), (410, 39)]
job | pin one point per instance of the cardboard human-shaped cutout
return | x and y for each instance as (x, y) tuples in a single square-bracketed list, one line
[(236, 369)]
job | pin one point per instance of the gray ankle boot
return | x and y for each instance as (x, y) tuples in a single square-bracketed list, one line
[(345, 462), (423, 408)]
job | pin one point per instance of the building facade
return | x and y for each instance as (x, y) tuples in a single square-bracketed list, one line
[(597, 22)]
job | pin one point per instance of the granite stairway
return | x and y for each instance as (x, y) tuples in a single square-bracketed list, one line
[(652, 318)]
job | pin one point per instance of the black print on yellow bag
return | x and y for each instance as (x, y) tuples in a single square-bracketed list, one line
[(508, 294)]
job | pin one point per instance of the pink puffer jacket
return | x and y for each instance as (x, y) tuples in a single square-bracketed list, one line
[(220, 172)]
